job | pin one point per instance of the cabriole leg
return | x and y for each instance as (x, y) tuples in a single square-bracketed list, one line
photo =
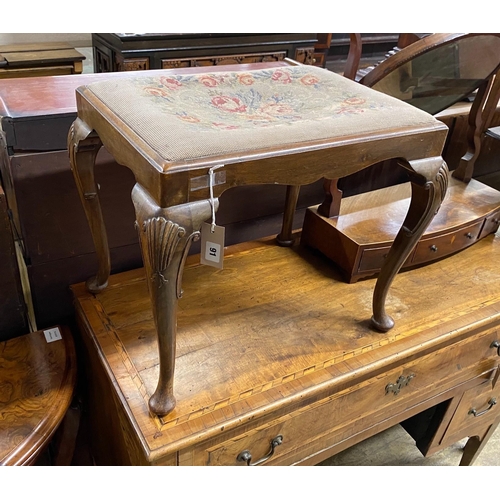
[(166, 235), (83, 146), (429, 182)]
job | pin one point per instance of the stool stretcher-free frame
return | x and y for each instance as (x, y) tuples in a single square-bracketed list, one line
[(259, 124)]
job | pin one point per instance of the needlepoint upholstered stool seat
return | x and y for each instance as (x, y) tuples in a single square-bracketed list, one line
[(286, 124)]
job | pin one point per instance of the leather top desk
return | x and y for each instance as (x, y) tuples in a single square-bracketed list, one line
[(268, 125), (285, 350)]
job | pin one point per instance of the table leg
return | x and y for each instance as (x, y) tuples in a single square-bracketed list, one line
[(285, 239), (429, 181), (329, 208), (166, 235), (83, 146), (475, 444)]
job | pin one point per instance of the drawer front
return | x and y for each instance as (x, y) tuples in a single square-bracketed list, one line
[(318, 422), (372, 258), (491, 224), (221, 60), (478, 408), (434, 248)]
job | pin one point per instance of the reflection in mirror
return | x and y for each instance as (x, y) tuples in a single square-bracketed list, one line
[(434, 80)]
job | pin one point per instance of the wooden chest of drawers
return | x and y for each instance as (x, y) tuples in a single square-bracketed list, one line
[(276, 363)]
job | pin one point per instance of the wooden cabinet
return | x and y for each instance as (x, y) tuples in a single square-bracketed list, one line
[(276, 363), (143, 51)]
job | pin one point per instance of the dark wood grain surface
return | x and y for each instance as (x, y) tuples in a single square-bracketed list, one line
[(37, 382)]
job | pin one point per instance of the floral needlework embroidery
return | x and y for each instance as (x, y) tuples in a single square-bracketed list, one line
[(231, 101)]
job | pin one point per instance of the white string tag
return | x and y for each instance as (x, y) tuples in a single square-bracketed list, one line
[(212, 245), (212, 236)]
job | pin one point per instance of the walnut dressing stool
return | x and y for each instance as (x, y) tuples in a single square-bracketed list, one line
[(263, 124)]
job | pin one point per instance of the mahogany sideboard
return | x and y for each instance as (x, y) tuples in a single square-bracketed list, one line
[(277, 365), (143, 51)]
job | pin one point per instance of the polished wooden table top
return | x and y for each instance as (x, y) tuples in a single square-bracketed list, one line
[(276, 327), (55, 95), (37, 383)]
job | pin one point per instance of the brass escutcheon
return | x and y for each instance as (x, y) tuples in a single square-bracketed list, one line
[(401, 382)]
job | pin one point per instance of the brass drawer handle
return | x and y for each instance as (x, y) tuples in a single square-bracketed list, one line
[(246, 456), (401, 382), (496, 345), (492, 402)]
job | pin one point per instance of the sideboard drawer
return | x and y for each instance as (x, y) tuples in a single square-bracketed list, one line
[(316, 425)]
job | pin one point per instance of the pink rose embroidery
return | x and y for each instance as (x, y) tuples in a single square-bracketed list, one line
[(156, 91), (309, 80), (276, 109), (246, 79), (231, 104), (281, 76), (170, 83), (208, 81)]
